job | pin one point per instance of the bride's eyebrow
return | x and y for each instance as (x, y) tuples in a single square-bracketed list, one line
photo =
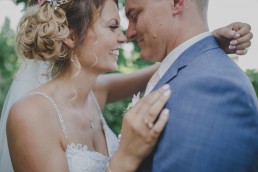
[(110, 21), (113, 19)]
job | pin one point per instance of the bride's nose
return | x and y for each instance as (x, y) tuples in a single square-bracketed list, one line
[(122, 38)]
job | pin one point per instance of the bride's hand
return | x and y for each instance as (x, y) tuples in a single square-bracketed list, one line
[(141, 128), (234, 38)]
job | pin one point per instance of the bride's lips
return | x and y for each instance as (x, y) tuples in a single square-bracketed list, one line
[(115, 53)]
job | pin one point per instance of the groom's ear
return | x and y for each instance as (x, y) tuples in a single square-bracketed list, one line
[(178, 6), (70, 40)]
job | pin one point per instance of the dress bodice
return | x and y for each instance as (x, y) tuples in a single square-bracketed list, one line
[(79, 157)]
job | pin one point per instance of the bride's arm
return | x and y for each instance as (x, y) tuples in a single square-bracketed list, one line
[(117, 86)]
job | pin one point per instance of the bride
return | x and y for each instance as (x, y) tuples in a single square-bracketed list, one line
[(55, 101)]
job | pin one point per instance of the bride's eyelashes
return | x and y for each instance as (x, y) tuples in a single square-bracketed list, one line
[(114, 27)]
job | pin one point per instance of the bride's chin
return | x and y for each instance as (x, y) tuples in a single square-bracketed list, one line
[(113, 67), (110, 68)]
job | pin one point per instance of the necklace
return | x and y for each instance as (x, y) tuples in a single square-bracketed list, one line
[(92, 123), (88, 114), (89, 117)]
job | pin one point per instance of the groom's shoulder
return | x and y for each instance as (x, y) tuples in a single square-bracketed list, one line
[(214, 67), (217, 62)]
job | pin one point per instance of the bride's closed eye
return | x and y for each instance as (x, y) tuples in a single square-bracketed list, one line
[(113, 27)]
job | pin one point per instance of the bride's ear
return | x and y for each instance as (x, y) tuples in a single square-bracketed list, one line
[(70, 40)]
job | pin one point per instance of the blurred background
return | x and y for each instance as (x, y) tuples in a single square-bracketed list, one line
[(221, 13)]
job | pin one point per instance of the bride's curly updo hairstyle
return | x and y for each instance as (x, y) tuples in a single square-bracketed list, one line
[(45, 25)]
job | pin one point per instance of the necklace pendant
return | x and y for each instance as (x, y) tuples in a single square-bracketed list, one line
[(92, 124)]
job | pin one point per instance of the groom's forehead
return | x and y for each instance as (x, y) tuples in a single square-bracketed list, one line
[(132, 4), (135, 3)]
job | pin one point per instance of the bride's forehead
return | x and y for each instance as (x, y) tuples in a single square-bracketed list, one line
[(110, 10), (110, 6)]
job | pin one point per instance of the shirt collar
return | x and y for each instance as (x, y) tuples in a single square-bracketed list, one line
[(174, 54)]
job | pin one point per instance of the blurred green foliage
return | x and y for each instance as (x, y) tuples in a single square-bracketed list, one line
[(127, 63), (8, 59), (21, 1), (253, 76)]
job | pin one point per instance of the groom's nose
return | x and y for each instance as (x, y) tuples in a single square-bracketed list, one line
[(131, 31)]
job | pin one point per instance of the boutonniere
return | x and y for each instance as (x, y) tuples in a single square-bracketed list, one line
[(135, 99)]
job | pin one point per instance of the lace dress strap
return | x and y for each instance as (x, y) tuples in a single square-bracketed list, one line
[(60, 117), (98, 107)]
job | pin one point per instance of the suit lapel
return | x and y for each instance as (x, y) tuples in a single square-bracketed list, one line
[(186, 58)]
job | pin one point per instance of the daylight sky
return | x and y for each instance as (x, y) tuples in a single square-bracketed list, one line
[(221, 13)]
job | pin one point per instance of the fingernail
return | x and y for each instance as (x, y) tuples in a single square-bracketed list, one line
[(231, 47), (241, 52), (165, 112), (167, 93), (165, 87), (233, 42), (238, 52), (237, 35), (232, 32)]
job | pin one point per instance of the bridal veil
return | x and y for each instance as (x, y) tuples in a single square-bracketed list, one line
[(31, 74)]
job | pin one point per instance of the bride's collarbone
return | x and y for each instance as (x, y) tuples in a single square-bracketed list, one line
[(81, 132), (93, 139)]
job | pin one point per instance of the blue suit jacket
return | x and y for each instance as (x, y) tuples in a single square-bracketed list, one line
[(213, 124)]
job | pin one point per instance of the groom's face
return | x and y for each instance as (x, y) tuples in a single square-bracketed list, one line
[(148, 25)]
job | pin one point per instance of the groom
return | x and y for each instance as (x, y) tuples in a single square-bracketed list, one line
[(213, 126)]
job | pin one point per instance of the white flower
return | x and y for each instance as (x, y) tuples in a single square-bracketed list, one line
[(135, 99)]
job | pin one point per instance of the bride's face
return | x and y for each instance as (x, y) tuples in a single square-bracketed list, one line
[(101, 45)]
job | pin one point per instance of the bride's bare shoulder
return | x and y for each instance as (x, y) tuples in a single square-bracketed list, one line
[(33, 132), (29, 106), (29, 112)]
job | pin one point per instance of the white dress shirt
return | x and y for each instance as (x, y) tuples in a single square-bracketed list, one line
[(174, 54)]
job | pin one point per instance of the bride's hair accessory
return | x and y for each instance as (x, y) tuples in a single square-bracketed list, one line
[(54, 3)]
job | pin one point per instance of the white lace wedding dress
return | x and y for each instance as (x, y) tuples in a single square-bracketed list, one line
[(30, 76), (79, 158)]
